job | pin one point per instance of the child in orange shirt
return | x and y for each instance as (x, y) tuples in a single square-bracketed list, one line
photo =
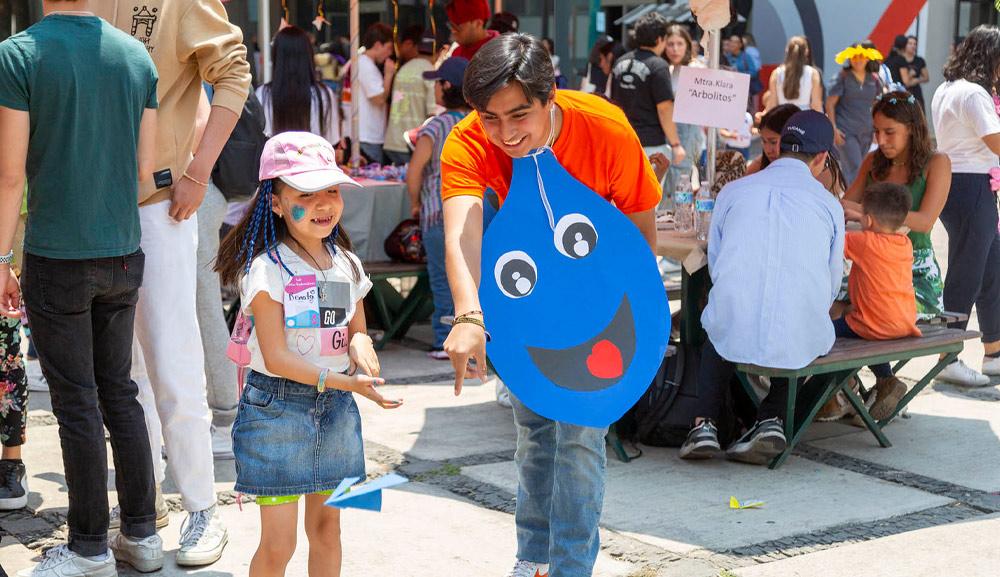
[(881, 284)]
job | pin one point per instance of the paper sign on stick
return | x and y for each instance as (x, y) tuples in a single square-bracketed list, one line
[(709, 97), (367, 496)]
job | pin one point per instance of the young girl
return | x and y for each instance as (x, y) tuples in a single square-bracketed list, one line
[(298, 430)]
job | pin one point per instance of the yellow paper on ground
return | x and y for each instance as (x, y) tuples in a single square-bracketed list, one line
[(734, 503)]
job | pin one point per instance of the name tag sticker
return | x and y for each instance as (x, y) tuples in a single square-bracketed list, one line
[(301, 303), (333, 342)]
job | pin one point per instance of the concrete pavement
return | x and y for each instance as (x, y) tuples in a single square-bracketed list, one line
[(841, 506)]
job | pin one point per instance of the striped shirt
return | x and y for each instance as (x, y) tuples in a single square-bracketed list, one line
[(437, 129), (775, 253)]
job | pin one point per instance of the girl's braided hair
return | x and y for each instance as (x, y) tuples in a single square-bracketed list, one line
[(259, 232)]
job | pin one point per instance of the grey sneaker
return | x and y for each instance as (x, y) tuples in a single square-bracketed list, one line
[(162, 514), (13, 486), (203, 537), (702, 442), (145, 555), (761, 444), (59, 561)]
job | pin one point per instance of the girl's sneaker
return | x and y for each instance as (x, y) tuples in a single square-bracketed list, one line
[(438, 354), (524, 568), (59, 561), (13, 486)]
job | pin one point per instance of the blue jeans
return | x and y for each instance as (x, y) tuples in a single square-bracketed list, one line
[(844, 330), (438, 276), (561, 476), (374, 152)]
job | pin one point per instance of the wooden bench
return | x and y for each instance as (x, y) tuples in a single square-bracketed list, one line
[(396, 313), (831, 374)]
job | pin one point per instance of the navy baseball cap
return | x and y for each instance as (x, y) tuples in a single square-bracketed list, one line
[(426, 44), (810, 132), (451, 70)]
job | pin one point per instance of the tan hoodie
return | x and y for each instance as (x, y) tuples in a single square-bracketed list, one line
[(190, 41)]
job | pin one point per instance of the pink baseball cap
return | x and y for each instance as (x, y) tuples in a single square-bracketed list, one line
[(304, 161)]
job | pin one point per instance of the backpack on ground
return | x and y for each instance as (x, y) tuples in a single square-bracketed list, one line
[(666, 411)]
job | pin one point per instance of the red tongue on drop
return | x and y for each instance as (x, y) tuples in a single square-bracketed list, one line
[(605, 361)]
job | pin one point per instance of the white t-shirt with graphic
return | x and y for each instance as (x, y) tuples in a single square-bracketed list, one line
[(337, 294)]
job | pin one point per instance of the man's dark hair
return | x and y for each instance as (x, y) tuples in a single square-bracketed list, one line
[(377, 32), (411, 33), (806, 157), (504, 22), (976, 58), (649, 28), (452, 97), (886, 202), (507, 59)]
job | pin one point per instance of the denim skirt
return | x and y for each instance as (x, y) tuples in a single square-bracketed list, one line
[(290, 439)]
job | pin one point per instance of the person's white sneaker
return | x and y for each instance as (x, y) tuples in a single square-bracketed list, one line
[(222, 442), (503, 394), (203, 537), (144, 555), (59, 561), (959, 373), (162, 514), (524, 568), (991, 366), (36, 380)]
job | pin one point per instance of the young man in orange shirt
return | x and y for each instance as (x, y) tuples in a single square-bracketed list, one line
[(510, 84)]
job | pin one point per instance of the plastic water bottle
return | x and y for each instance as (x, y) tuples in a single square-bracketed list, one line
[(704, 204), (684, 206)]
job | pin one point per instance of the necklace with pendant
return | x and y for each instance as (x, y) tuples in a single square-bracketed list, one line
[(322, 287)]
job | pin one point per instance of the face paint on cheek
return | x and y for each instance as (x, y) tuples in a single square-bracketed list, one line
[(297, 213)]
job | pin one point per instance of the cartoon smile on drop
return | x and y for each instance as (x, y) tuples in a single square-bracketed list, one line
[(573, 298)]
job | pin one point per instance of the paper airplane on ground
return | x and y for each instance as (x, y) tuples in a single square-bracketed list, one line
[(367, 496)]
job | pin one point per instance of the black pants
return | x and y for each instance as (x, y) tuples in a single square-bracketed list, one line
[(82, 314), (970, 217), (715, 374)]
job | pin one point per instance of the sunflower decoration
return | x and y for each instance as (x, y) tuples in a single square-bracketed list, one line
[(855, 51)]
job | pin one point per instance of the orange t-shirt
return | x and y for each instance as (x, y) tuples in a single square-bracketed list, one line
[(596, 145), (881, 286)]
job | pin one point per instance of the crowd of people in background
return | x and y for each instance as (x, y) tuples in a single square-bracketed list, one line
[(151, 352)]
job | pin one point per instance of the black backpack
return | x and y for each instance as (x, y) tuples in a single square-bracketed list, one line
[(666, 411), (236, 171)]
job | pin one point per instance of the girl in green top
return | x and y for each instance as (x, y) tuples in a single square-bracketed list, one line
[(904, 156)]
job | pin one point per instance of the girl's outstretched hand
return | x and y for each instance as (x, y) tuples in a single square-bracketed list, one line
[(365, 386), (362, 354)]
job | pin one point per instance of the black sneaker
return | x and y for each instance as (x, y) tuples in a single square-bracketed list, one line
[(13, 486), (702, 442), (761, 444)]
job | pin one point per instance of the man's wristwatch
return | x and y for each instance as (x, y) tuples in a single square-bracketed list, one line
[(7, 258)]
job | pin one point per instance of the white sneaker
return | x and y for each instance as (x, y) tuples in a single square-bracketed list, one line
[(991, 366), (36, 380), (222, 442), (959, 373), (503, 394), (524, 568), (203, 537), (144, 555), (162, 514), (59, 561)]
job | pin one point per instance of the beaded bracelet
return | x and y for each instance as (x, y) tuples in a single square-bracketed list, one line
[(472, 321), (321, 386)]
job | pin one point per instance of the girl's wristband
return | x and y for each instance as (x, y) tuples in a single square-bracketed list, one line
[(321, 386)]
